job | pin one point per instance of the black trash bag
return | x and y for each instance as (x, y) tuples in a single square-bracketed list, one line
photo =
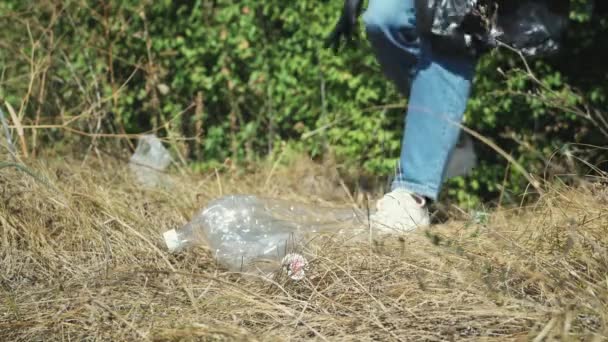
[(442, 17), (457, 26), (532, 28)]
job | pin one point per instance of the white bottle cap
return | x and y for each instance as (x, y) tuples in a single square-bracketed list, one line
[(171, 240)]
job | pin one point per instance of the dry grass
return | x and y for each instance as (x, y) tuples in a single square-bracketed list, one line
[(85, 261)]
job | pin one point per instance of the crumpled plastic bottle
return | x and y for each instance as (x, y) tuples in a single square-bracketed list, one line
[(249, 233)]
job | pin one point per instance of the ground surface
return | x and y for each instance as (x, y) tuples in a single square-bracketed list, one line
[(82, 258)]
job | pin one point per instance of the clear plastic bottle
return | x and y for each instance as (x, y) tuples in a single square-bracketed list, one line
[(248, 233)]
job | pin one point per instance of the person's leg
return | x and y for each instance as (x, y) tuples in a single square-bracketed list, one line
[(391, 30), (438, 98), (438, 88)]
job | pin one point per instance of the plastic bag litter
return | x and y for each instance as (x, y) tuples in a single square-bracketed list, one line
[(149, 161), (259, 235)]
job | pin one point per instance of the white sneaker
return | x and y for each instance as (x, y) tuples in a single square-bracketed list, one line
[(399, 211)]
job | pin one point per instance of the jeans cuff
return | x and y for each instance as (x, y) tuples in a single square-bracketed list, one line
[(421, 190)]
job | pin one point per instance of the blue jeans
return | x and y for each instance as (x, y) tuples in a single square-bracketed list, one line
[(438, 87)]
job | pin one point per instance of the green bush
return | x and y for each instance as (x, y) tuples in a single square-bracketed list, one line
[(239, 77)]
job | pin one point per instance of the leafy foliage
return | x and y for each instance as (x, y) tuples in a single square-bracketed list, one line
[(240, 77)]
